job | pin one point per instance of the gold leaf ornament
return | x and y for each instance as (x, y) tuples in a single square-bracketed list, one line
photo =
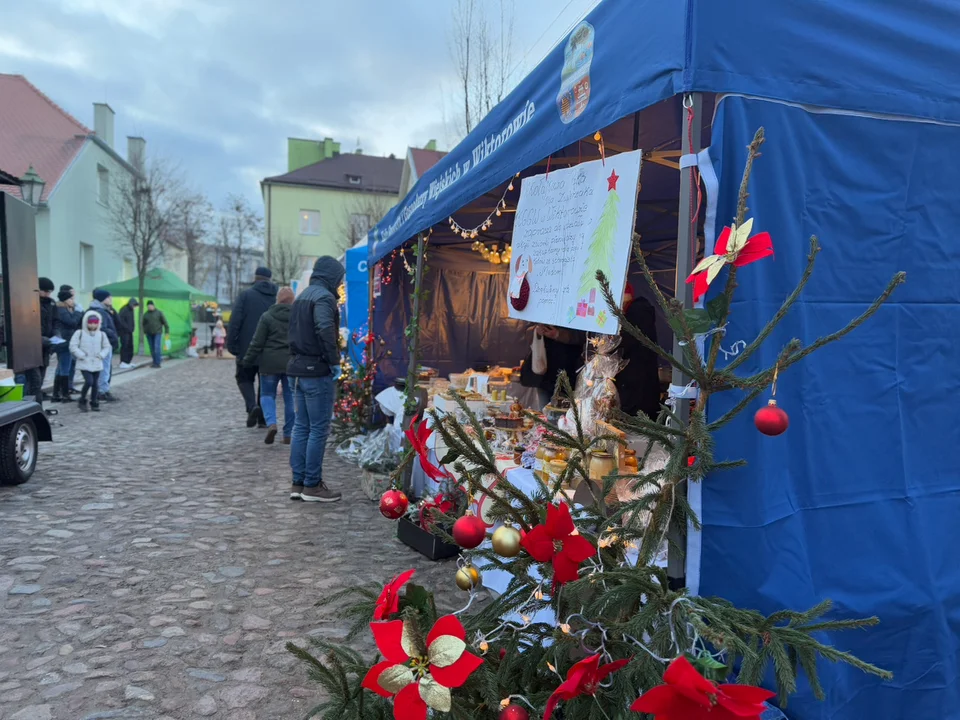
[(396, 678), (409, 642), (738, 238), (434, 694), (446, 650)]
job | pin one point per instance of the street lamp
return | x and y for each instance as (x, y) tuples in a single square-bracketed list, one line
[(31, 187)]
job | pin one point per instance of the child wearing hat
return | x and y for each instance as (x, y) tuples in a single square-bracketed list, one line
[(90, 346)]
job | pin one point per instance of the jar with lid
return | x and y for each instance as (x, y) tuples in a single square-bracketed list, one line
[(602, 464)]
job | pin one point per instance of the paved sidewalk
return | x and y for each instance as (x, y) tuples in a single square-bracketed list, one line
[(154, 567)]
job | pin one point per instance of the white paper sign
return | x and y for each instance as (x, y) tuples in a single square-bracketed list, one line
[(569, 225)]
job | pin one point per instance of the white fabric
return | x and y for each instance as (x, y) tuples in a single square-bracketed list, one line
[(538, 363), (687, 161), (391, 402)]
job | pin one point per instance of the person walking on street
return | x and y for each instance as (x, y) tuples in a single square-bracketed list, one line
[(219, 338), (91, 347), (314, 364), (154, 327), (103, 305), (126, 326), (247, 309), (270, 351), (49, 323), (70, 321)]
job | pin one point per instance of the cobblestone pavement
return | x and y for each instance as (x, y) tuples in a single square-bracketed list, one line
[(153, 567)]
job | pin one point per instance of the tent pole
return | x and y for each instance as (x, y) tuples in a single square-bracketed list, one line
[(414, 403), (371, 341), (686, 249)]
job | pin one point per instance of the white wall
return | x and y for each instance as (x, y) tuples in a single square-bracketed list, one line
[(74, 215)]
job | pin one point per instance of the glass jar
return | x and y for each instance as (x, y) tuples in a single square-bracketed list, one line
[(555, 469), (601, 465), (518, 454), (549, 454)]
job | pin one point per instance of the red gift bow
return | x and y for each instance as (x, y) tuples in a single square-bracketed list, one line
[(418, 434), (734, 246)]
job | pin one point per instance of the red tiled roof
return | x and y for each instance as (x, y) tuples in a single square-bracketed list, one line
[(36, 131), (423, 160)]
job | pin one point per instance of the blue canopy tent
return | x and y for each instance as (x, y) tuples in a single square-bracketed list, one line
[(861, 103)]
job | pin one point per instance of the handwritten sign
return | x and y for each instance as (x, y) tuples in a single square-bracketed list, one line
[(569, 225)]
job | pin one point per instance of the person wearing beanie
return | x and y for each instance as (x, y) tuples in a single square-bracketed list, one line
[(73, 294), (103, 305), (90, 346), (244, 318), (70, 319), (314, 364), (126, 326), (154, 325), (270, 351)]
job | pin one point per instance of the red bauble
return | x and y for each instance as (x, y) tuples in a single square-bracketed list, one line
[(393, 504), (771, 420), (514, 712), (520, 302), (469, 531)]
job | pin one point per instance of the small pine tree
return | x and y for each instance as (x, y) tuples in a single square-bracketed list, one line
[(619, 604)]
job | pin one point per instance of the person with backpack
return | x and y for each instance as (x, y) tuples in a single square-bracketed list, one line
[(103, 305), (91, 347)]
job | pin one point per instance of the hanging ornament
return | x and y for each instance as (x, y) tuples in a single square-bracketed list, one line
[(469, 531), (506, 541), (393, 504), (519, 285), (514, 712), (772, 420), (468, 577)]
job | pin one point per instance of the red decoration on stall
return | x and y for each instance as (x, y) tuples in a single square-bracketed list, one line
[(393, 504), (469, 531), (389, 601), (584, 678), (557, 542), (418, 434)]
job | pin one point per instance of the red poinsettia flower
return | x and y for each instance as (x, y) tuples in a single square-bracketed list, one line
[(734, 246), (418, 434), (582, 679), (557, 541), (389, 601), (687, 695), (419, 677)]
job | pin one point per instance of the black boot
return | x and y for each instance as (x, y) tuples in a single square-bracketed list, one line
[(57, 389)]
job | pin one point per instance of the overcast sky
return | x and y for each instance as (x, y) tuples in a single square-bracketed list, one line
[(218, 85)]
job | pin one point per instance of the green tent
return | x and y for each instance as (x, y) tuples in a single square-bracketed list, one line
[(172, 296)]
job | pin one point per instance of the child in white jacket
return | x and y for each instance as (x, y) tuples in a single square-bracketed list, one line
[(90, 346)]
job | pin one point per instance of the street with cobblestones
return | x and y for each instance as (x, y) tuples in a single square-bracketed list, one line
[(154, 566)]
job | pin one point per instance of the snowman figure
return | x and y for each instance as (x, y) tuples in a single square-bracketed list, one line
[(519, 284)]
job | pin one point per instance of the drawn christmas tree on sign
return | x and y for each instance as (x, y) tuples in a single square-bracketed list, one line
[(601, 249)]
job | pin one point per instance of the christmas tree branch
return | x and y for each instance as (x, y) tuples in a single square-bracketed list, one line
[(753, 152), (782, 312)]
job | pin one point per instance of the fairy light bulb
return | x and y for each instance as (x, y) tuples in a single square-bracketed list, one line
[(499, 213), (510, 186)]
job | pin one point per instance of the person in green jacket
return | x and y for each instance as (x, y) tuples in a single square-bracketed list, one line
[(270, 352), (154, 326)]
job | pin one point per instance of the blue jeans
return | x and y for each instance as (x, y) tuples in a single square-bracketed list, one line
[(107, 372), (64, 361), (268, 402), (156, 348), (314, 401)]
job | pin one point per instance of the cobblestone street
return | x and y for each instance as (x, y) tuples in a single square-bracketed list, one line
[(154, 567)]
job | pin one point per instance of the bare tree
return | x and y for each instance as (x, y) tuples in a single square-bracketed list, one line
[(359, 216), (285, 260), (188, 232), (239, 230), (142, 210), (483, 55)]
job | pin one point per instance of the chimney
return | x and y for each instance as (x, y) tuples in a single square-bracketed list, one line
[(103, 122), (432, 145), (137, 153)]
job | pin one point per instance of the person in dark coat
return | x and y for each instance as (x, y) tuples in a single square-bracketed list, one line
[(154, 326), (244, 317), (49, 320), (270, 351), (126, 326), (314, 364), (564, 349), (638, 384), (70, 319)]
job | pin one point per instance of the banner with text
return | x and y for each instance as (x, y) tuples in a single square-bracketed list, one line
[(570, 224)]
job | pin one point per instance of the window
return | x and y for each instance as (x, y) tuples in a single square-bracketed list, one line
[(309, 222), (103, 185), (354, 179), (359, 226), (86, 267)]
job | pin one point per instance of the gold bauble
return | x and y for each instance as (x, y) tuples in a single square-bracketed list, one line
[(506, 541), (468, 577)]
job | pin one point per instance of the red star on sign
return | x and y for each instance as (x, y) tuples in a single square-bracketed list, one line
[(612, 181)]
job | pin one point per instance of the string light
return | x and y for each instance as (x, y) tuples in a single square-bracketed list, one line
[(473, 233)]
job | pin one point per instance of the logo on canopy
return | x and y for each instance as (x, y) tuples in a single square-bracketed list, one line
[(575, 76)]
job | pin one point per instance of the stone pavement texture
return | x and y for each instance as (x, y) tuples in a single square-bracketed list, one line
[(153, 567)]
